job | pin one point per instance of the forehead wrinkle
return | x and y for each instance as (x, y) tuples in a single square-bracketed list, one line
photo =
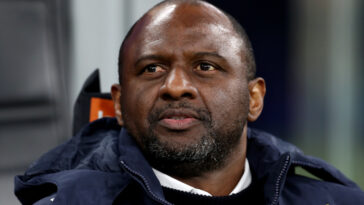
[(149, 45)]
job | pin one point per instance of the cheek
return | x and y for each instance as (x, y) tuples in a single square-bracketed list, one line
[(228, 102), (138, 101)]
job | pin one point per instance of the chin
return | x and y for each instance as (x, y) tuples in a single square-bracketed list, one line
[(184, 137)]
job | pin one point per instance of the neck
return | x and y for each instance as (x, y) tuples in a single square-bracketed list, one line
[(229, 174)]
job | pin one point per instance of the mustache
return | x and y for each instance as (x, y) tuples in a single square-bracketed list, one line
[(202, 113)]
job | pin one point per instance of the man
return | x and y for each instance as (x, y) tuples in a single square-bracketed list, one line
[(187, 91)]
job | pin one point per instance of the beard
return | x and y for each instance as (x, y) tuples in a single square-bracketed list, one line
[(209, 152)]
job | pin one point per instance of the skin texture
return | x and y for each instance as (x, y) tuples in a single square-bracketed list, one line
[(184, 79)]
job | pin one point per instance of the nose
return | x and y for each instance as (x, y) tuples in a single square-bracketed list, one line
[(177, 85)]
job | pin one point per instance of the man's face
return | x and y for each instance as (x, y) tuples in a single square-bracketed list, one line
[(184, 91)]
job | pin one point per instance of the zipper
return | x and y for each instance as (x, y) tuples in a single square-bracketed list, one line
[(145, 183), (278, 183)]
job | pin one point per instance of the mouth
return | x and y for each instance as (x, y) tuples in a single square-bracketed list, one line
[(178, 119)]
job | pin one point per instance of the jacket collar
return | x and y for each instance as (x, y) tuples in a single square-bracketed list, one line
[(133, 162), (271, 158), (268, 163)]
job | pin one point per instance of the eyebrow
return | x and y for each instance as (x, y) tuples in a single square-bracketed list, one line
[(163, 58), (148, 57), (208, 54)]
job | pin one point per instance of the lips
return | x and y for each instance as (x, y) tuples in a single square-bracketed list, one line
[(178, 119)]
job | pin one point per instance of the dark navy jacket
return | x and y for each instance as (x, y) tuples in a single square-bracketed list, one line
[(103, 165)]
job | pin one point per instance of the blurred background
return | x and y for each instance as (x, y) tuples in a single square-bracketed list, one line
[(311, 54)]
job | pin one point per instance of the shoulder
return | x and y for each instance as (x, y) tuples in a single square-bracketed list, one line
[(305, 190), (96, 143), (276, 161), (88, 159)]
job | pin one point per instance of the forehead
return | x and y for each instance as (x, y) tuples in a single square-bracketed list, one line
[(189, 14), (184, 27)]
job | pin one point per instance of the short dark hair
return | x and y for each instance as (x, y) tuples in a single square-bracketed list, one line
[(249, 53)]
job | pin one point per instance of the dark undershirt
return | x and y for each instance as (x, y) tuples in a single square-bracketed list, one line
[(250, 195)]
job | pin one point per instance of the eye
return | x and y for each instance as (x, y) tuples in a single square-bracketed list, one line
[(205, 67), (153, 69)]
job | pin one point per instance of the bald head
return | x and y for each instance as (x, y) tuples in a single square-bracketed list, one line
[(191, 14)]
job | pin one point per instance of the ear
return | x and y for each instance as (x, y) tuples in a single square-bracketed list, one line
[(116, 96), (256, 94)]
